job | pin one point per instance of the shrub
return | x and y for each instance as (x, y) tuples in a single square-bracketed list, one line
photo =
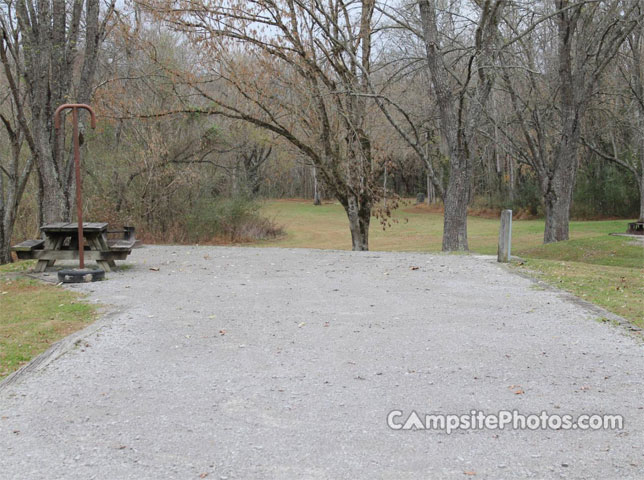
[(236, 219)]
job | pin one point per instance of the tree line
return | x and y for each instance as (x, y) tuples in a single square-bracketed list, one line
[(362, 101)]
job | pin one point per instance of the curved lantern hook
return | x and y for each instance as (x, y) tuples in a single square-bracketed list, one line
[(74, 106)]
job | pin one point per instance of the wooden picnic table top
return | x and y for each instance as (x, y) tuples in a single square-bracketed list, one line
[(72, 227)]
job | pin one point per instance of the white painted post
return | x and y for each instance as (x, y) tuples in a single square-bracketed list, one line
[(505, 236)]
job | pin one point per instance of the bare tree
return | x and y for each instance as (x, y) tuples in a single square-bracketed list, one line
[(619, 136), (551, 69), (14, 174), (298, 69), (459, 51), (53, 45), (459, 113)]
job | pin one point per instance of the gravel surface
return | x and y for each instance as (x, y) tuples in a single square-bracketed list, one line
[(248, 363)]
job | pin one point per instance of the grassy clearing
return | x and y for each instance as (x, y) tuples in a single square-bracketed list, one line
[(606, 270), (33, 315), (414, 229)]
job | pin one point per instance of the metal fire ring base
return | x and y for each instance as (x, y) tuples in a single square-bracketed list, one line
[(81, 276)]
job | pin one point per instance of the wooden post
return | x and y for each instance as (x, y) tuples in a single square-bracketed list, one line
[(505, 236)]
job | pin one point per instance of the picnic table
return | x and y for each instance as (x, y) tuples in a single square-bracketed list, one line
[(636, 228), (61, 243)]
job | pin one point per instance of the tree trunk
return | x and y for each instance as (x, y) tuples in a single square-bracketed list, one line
[(557, 218), (458, 118), (13, 181), (456, 201), (557, 185), (455, 218), (6, 230), (511, 181), (316, 189), (384, 187), (640, 178), (54, 206), (5, 250), (557, 195), (5, 242), (359, 217), (641, 185)]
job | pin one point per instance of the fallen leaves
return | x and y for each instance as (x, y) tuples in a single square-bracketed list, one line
[(516, 389)]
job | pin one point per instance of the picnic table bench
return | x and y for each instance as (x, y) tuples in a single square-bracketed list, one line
[(61, 243), (636, 228)]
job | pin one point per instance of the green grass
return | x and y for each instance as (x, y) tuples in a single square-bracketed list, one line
[(606, 270), (15, 267), (33, 315), (414, 229), (618, 289)]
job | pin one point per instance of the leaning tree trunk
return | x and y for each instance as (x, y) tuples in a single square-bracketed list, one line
[(359, 217), (456, 201)]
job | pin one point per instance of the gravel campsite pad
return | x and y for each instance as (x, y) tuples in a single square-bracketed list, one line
[(273, 363)]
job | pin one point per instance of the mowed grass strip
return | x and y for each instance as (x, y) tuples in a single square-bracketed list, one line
[(33, 316), (617, 289), (603, 269)]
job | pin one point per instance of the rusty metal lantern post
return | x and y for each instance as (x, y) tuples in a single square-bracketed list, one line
[(79, 196)]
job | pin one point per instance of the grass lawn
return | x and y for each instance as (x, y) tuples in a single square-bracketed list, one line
[(606, 270), (33, 315)]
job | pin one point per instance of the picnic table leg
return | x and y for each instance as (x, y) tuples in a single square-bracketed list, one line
[(50, 244), (57, 245), (104, 264), (102, 240), (41, 266), (94, 243)]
